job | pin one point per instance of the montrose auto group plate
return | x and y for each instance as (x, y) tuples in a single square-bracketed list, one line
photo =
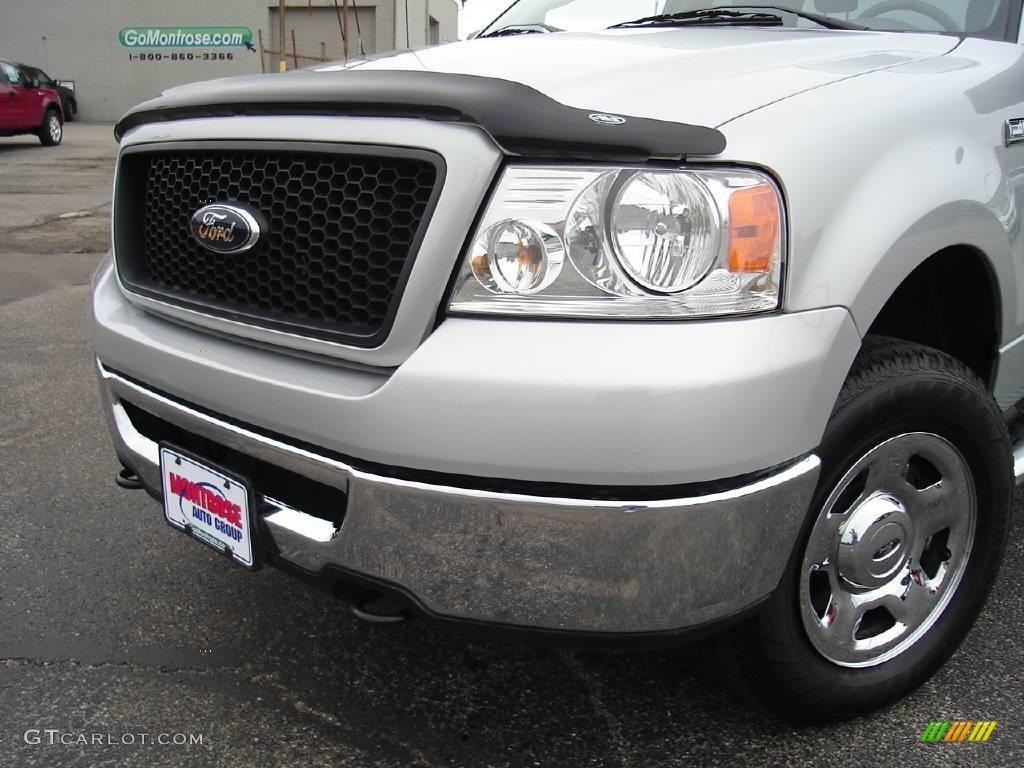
[(208, 504)]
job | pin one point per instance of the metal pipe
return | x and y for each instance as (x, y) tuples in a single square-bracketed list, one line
[(359, 31), (408, 44), (345, 34), (341, 28)]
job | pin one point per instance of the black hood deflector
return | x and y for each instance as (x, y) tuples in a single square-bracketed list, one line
[(523, 121)]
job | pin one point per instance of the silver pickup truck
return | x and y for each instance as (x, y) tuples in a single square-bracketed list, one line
[(621, 323)]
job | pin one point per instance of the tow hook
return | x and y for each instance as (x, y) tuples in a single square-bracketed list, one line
[(380, 610), (128, 480)]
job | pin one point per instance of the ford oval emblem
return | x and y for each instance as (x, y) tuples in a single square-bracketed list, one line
[(225, 228), (602, 119)]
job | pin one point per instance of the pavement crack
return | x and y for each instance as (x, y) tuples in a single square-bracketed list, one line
[(51, 220), (594, 694), (286, 695), (131, 666), (262, 680)]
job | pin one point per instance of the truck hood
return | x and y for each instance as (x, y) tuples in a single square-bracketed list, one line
[(701, 76), (665, 91)]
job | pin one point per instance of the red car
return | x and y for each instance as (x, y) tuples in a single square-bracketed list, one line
[(25, 108)]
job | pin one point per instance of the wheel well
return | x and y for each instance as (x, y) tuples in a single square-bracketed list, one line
[(950, 302)]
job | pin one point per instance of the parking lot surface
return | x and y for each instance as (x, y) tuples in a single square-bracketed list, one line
[(113, 625)]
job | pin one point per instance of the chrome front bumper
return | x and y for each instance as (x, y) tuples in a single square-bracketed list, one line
[(543, 562)]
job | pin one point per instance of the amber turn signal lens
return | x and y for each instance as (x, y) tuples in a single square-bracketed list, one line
[(753, 228)]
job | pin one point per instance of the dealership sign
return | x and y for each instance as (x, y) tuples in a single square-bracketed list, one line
[(185, 37)]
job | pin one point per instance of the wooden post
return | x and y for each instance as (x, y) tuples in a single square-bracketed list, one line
[(295, 51), (263, 63), (282, 63)]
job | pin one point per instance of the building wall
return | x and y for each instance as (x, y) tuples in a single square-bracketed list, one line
[(317, 21), (420, 14), (80, 40), (318, 31)]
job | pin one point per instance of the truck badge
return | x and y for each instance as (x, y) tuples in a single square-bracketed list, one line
[(225, 228)]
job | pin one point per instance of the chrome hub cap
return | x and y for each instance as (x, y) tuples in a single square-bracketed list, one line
[(55, 128), (886, 553), (874, 541)]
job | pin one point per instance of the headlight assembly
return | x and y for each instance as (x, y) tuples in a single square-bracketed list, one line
[(625, 242)]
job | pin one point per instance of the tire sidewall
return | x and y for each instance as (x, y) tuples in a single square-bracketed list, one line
[(44, 131)]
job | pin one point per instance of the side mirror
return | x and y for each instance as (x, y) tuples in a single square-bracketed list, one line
[(474, 33)]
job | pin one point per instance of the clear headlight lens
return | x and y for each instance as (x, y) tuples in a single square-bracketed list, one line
[(517, 257), (665, 230), (625, 242)]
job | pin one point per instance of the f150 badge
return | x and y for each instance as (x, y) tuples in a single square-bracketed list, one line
[(225, 228)]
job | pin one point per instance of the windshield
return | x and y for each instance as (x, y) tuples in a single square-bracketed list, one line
[(993, 19)]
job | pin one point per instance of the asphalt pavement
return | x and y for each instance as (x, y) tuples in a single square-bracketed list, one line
[(117, 633)]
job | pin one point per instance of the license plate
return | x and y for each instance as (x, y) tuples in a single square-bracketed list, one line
[(208, 503)]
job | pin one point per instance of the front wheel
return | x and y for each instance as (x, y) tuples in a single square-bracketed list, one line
[(51, 132), (907, 529)]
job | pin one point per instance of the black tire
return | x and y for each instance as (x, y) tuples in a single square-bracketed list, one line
[(51, 132), (894, 389), (70, 111)]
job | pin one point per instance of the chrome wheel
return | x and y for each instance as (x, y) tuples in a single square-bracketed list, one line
[(54, 127), (888, 549)]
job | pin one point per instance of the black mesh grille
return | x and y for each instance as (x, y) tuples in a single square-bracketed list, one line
[(342, 231)]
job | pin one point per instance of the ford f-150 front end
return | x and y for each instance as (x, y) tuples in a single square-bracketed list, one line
[(609, 348)]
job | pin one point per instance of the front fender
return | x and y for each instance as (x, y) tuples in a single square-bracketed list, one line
[(54, 103), (857, 246), (883, 170)]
